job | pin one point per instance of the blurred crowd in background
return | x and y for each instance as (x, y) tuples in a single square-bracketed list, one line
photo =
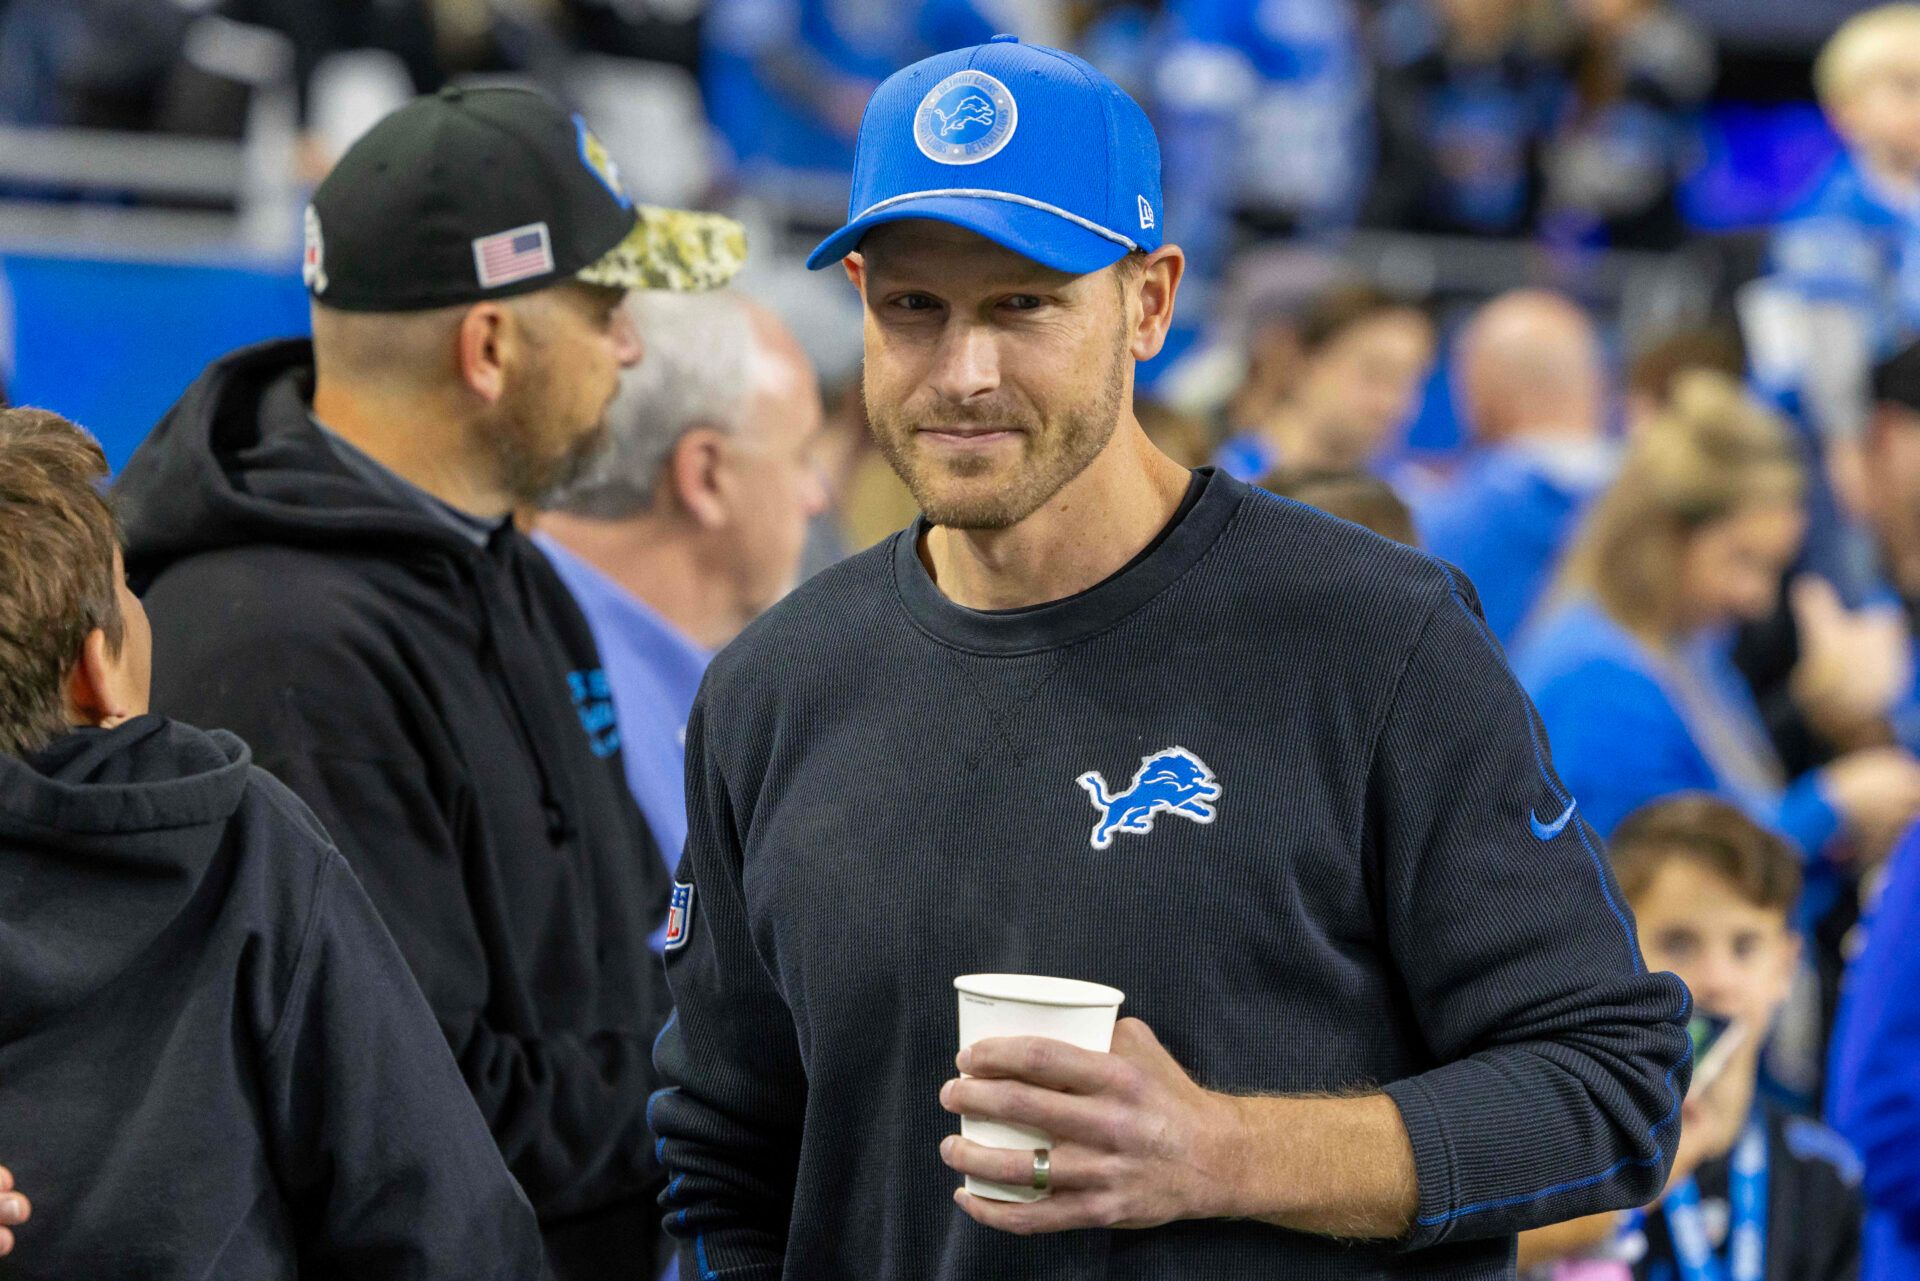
[(1609, 302), (1632, 153)]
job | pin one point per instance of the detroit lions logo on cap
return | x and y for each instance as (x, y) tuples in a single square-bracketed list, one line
[(594, 155), (965, 119), (1174, 781)]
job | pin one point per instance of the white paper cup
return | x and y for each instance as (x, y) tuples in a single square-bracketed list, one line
[(1069, 1010)]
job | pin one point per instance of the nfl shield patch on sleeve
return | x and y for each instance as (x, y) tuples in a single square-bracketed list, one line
[(679, 915)]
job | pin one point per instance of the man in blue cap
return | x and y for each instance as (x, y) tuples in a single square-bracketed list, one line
[(1100, 717)]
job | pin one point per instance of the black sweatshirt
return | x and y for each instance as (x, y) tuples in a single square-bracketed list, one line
[(213, 1063), (420, 694), (1273, 781)]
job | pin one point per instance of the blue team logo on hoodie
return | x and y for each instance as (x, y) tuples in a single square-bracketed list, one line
[(593, 700), (1174, 781)]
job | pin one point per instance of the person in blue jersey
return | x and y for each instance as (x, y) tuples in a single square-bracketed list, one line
[(1848, 253), (1874, 1092), (1625, 131), (1364, 355), (785, 80), (1464, 101), (692, 523), (1265, 111), (1757, 1193), (1631, 668), (1098, 715), (1533, 393)]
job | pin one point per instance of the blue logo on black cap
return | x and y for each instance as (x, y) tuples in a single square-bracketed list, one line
[(965, 119)]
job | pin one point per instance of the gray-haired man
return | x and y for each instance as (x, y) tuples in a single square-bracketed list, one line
[(692, 523)]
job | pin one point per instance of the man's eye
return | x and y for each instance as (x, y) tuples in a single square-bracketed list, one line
[(1022, 302), (914, 302)]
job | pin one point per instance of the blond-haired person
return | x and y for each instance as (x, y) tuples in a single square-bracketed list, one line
[(1630, 664), (1846, 253)]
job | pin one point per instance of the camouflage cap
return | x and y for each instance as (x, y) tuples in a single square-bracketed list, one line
[(674, 249)]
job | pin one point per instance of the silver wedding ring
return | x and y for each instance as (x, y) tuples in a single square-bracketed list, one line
[(1042, 1169)]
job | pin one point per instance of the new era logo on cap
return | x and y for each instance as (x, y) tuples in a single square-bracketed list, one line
[(520, 254)]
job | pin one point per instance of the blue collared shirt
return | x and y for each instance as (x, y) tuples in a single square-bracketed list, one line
[(653, 672)]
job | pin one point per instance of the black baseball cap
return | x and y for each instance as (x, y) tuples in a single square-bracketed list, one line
[(471, 194)]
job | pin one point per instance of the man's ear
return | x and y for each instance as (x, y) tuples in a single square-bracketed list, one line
[(482, 349), (1159, 283), (89, 694), (695, 470), (856, 268)]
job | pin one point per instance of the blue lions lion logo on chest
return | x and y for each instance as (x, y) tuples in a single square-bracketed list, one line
[(1174, 781)]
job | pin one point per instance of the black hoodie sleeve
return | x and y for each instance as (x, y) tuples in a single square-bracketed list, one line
[(733, 1084), (374, 1138), (1559, 1061), (349, 731)]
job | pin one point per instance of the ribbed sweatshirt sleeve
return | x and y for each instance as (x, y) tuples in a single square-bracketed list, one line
[(1561, 1061), (728, 1115)]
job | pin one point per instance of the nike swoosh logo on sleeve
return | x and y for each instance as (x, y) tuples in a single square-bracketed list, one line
[(1547, 831)]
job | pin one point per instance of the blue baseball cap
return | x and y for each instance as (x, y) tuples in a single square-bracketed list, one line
[(1028, 146)]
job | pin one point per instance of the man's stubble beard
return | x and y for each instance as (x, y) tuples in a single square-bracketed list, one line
[(525, 460), (1066, 450)]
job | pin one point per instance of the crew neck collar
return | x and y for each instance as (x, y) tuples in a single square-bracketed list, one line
[(1178, 546)]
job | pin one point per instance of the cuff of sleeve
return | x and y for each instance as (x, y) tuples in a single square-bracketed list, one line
[(1433, 1164), (695, 1265), (1807, 817)]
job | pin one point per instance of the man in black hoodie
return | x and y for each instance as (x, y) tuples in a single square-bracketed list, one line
[(212, 1061), (324, 539)]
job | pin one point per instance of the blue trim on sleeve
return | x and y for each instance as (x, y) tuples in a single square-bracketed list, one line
[(700, 1256), (1524, 1198), (661, 1035), (660, 1142)]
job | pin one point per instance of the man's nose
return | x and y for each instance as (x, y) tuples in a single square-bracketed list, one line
[(966, 364)]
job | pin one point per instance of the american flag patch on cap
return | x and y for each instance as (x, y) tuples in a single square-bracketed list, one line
[(520, 254)]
